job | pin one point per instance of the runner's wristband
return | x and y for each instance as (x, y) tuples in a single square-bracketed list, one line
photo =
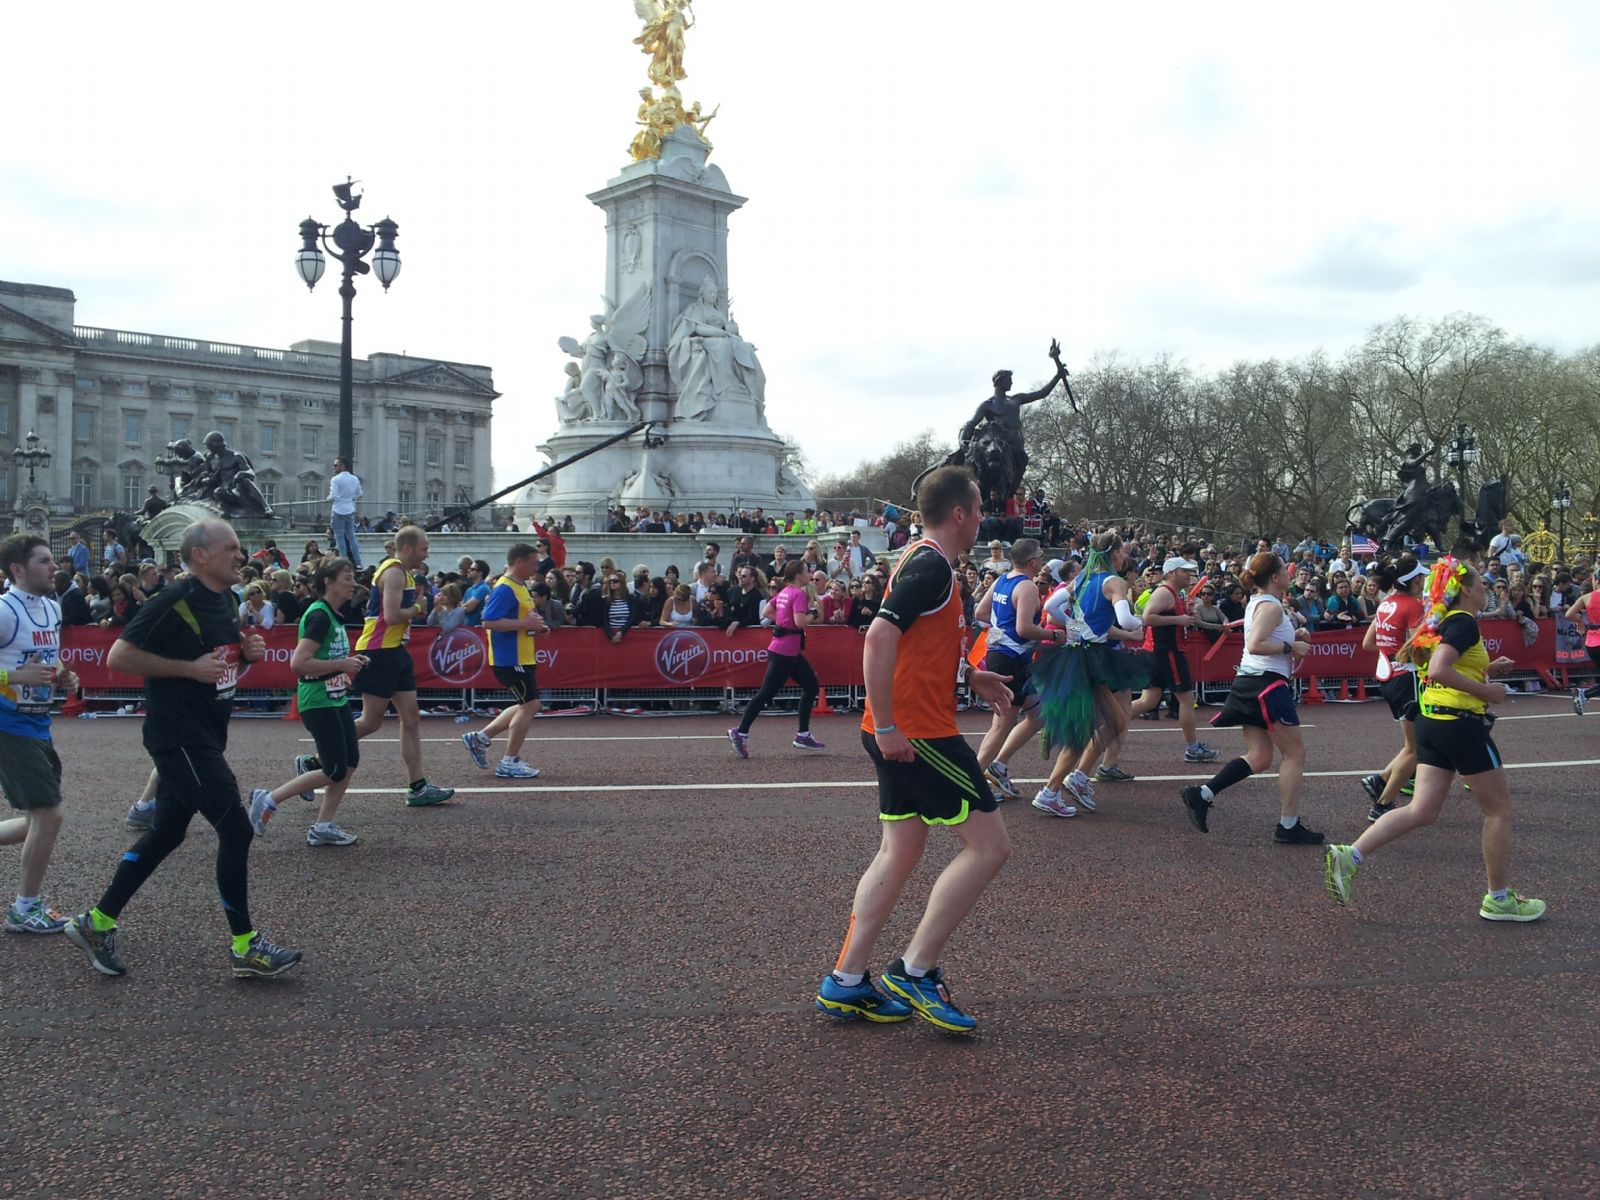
[(886, 729), (5, 677)]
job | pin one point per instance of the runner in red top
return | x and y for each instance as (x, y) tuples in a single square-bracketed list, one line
[(1588, 607), (1398, 616), (1167, 623), (927, 772)]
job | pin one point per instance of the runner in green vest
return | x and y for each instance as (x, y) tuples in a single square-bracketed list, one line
[(323, 661)]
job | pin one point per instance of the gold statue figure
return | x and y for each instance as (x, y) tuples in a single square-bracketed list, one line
[(657, 118), (665, 23)]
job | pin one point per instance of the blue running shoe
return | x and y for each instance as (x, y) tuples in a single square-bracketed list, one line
[(865, 999), (929, 996)]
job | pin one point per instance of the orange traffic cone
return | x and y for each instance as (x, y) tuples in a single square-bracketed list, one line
[(821, 709), (73, 706), (1344, 691), (1314, 692), (292, 713), (1361, 689)]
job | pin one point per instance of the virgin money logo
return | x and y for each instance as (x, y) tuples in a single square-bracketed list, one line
[(457, 657), (682, 657)]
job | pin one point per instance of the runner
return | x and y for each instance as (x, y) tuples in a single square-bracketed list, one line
[(1588, 607), (1452, 739), (390, 676), (1262, 701), (1396, 619), (927, 772), (324, 665), (187, 643), (30, 769), (511, 616), (1082, 684), (1012, 609), (1166, 616), (791, 612)]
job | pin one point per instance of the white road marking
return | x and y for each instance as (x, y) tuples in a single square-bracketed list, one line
[(813, 784), (697, 737)]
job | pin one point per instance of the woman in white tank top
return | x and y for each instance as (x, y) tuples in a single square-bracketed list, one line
[(1262, 701)]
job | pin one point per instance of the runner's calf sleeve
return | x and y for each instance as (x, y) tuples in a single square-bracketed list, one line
[(1235, 771)]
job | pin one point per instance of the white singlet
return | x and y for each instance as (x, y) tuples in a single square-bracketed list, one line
[(1260, 664)]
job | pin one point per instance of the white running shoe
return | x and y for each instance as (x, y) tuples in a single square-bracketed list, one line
[(515, 768), (999, 776), (1580, 700), (262, 806), (1082, 790), (329, 834), (478, 746), (1051, 802)]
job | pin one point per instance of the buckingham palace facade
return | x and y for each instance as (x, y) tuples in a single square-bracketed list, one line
[(105, 403)]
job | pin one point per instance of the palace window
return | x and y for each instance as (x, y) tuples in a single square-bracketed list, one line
[(269, 493), (408, 449), (180, 427), (133, 428), (269, 439), (133, 489), (83, 424), (83, 489), (463, 448), (310, 441), (435, 451)]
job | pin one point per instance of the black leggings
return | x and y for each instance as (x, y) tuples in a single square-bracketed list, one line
[(780, 669), (192, 780), (1594, 657), (334, 731)]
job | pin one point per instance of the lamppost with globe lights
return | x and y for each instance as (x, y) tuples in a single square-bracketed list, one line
[(33, 505), (350, 244), (1561, 501), (1463, 452), (34, 457)]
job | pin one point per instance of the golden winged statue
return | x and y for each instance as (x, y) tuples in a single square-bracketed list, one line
[(665, 23)]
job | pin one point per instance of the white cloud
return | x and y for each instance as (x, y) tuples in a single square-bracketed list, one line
[(934, 191)]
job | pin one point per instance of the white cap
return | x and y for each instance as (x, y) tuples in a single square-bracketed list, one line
[(1054, 567), (1177, 563), (1419, 569)]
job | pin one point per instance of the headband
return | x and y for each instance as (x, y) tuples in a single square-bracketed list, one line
[(1419, 569)]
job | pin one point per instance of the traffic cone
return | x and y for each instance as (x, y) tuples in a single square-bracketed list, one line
[(293, 711), (1361, 689), (1314, 692), (1344, 691), (73, 706), (821, 709)]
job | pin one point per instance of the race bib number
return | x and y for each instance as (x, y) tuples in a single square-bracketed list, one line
[(338, 686), (35, 698), (230, 672)]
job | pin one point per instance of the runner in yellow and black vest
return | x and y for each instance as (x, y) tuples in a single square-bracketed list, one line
[(390, 677), (1452, 739)]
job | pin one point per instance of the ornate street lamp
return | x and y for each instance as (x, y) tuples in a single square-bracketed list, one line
[(34, 457), (1561, 501), (350, 244), (170, 464), (1463, 452)]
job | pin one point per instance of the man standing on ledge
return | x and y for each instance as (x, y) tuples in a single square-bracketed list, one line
[(187, 643), (389, 676), (927, 772), (344, 489)]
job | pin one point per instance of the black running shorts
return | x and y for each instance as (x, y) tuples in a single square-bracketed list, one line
[(519, 681), (941, 785), (1259, 700), (388, 671), (1169, 671), (1014, 669), (30, 772), (1400, 690), (1459, 744)]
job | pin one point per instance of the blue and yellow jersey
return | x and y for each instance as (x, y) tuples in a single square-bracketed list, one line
[(509, 600), (376, 633)]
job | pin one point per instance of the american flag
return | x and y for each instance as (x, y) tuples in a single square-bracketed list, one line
[(1360, 545)]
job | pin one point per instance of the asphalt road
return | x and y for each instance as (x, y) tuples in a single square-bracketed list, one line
[(600, 984)]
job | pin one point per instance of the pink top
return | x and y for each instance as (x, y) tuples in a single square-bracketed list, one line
[(789, 601), (1592, 613)]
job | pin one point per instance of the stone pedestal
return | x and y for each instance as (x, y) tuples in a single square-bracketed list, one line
[(666, 236), (164, 531)]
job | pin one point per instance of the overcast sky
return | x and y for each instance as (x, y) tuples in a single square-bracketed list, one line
[(935, 189)]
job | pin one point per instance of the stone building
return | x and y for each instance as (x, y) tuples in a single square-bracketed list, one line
[(105, 403)]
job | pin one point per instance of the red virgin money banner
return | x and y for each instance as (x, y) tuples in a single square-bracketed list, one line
[(567, 658)]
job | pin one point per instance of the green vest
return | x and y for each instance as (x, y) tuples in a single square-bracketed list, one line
[(325, 691)]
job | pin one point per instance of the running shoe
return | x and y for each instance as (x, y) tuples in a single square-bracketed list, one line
[(262, 959), (37, 919), (864, 1000), (1298, 834), (1047, 801), (141, 819), (1378, 811), (515, 768), (804, 741), (929, 996), (1113, 774), (1373, 786), (428, 794), (1200, 753), (1197, 805), (302, 764), (999, 777), (1512, 908), (1082, 790), (1580, 700), (101, 947), (741, 743), (1409, 787), (262, 806), (326, 833), (478, 746), (1340, 869)]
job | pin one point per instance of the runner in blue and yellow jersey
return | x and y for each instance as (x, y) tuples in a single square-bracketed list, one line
[(510, 615)]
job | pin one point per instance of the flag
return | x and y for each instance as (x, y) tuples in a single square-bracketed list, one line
[(1360, 545)]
